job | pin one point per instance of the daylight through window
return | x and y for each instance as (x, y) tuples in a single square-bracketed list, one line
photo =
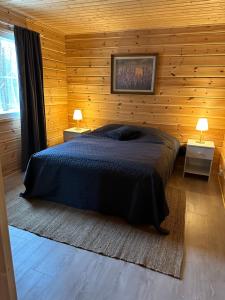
[(9, 90)]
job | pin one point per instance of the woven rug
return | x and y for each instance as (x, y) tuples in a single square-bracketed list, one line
[(110, 236)]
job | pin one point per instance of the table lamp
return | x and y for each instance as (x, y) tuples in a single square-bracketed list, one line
[(202, 125), (77, 116)]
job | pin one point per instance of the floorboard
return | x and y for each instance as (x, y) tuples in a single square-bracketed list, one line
[(48, 270)]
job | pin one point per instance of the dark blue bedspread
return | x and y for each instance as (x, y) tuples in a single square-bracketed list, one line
[(124, 178)]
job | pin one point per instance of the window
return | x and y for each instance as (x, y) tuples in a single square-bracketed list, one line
[(9, 89)]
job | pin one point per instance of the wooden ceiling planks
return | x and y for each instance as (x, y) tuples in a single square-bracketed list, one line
[(82, 16)]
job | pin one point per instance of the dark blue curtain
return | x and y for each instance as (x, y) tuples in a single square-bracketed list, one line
[(32, 110)]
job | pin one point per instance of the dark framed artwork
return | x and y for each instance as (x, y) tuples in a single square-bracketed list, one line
[(133, 73)]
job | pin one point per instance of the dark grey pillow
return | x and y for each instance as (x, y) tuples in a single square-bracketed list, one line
[(123, 133), (102, 131)]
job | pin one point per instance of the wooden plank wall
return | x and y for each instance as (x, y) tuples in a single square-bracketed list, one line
[(190, 80), (55, 85), (10, 145)]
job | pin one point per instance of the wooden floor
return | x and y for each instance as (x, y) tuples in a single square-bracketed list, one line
[(47, 269)]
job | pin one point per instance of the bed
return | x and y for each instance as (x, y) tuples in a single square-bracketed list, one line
[(103, 172)]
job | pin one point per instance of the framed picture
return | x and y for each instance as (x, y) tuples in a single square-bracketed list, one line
[(133, 73)]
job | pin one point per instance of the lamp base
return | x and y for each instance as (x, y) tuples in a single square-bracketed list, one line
[(201, 142)]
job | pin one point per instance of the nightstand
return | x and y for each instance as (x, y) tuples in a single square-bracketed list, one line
[(199, 157), (72, 133)]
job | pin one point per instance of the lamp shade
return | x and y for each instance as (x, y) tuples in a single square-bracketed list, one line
[(77, 115), (202, 124)]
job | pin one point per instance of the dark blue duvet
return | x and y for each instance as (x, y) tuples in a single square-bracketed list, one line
[(94, 172)]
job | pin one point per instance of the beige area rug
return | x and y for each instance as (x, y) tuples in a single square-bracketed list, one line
[(110, 236)]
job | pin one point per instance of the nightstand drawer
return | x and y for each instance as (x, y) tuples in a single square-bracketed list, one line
[(200, 152)]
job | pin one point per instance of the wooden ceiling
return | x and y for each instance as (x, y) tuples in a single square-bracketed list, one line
[(84, 16)]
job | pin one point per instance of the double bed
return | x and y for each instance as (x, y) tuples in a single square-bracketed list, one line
[(116, 169)]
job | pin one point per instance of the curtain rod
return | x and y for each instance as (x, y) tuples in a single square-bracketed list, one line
[(10, 26)]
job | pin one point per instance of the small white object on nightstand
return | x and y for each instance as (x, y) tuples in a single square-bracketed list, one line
[(72, 133), (199, 157)]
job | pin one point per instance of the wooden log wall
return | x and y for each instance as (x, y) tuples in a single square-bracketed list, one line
[(190, 80), (55, 88)]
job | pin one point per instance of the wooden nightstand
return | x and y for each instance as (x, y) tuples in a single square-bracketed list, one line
[(199, 157), (72, 133)]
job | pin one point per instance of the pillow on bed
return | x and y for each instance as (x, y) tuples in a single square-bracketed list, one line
[(123, 133), (102, 131)]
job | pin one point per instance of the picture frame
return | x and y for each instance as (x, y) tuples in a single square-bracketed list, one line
[(133, 73)]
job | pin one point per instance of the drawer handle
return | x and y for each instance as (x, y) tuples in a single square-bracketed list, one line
[(197, 152)]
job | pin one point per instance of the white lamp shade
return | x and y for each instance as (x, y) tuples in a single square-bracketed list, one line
[(202, 124), (77, 115)]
